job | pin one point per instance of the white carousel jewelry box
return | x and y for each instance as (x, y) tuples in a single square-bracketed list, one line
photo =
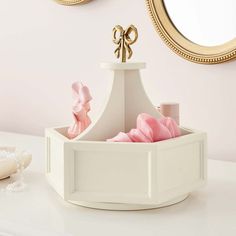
[(91, 172)]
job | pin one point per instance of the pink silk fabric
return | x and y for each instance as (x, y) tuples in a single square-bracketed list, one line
[(80, 110), (149, 130)]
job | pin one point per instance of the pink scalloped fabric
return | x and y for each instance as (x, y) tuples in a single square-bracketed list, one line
[(149, 130), (80, 109)]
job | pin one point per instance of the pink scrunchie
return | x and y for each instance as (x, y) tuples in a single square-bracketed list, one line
[(80, 109), (149, 130)]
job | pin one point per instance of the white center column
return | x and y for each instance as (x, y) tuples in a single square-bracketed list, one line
[(125, 102)]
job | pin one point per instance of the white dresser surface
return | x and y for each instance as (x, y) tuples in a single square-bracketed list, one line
[(38, 210)]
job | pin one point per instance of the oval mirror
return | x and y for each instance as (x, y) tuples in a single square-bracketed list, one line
[(196, 29), (72, 2)]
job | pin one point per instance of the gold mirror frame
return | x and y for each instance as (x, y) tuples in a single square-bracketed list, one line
[(72, 2), (181, 45)]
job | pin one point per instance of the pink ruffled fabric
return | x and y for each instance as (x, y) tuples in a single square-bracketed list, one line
[(80, 110), (171, 125), (121, 137), (149, 129), (152, 128)]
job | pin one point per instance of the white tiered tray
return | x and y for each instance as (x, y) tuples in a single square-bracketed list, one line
[(91, 172)]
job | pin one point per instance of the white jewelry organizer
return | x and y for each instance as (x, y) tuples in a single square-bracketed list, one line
[(91, 172)]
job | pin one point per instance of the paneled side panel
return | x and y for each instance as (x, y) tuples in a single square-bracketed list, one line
[(180, 169), (114, 173), (111, 172), (55, 163)]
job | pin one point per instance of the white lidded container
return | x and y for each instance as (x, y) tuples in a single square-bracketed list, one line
[(91, 172)]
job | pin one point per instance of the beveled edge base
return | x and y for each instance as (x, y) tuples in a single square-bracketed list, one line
[(128, 207)]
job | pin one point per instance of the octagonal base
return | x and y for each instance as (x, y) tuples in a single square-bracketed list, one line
[(128, 207)]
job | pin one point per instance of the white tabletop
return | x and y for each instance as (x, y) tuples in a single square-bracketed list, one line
[(40, 211)]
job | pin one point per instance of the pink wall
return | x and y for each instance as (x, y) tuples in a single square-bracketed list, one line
[(45, 47)]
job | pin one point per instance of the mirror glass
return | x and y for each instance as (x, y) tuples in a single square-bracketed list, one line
[(204, 22)]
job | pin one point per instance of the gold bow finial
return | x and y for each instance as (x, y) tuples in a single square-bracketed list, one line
[(123, 39)]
